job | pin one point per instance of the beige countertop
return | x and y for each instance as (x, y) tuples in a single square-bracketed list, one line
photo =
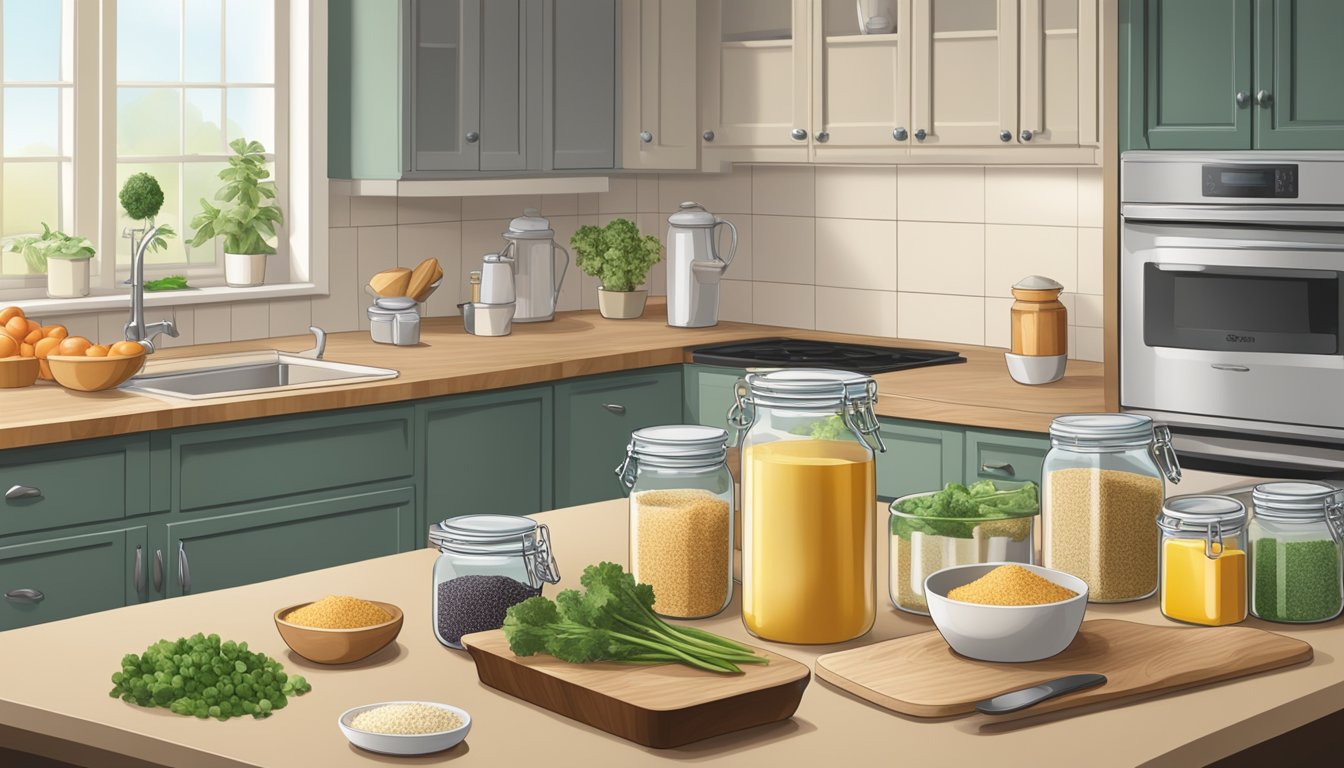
[(449, 361), (56, 679)]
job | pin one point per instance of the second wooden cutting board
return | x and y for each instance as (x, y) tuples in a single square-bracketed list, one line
[(920, 675)]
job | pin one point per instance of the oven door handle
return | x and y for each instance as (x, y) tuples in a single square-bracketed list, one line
[(1300, 274), (1330, 217)]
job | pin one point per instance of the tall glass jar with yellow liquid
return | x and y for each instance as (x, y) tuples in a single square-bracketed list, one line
[(808, 504)]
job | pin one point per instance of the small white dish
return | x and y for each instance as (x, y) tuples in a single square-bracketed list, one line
[(404, 744), (1008, 633), (1036, 369)]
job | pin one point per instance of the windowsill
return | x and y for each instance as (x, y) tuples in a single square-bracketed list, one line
[(210, 295)]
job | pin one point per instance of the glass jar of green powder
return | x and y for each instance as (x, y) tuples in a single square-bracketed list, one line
[(1297, 550)]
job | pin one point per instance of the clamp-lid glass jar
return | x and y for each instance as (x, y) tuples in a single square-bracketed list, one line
[(808, 504), (681, 518), (486, 564), (1203, 559), (1101, 496), (1296, 534)]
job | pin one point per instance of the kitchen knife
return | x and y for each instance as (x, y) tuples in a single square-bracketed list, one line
[(1015, 700)]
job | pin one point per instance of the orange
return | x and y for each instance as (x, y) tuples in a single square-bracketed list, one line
[(33, 325), (9, 312), (8, 346), (45, 347), (33, 336), (73, 345), (17, 327), (56, 332), (97, 350), (26, 350), (125, 348)]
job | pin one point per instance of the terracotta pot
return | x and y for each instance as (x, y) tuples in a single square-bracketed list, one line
[(621, 305)]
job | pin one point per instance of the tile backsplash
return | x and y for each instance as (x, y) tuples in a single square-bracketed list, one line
[(916, 252)]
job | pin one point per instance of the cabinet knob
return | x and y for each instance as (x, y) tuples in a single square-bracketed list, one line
[(615, 408), (1005, 135), (1264, 98), (920, 134), (900, 134), (139, 577), (1026, 134), (22, 492), (646, 137), (24, 596), (708, 135), (473, 137), (798, 134), (1242, 98), (823, 137), (183, 569)]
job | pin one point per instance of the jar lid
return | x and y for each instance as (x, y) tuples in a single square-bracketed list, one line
[(1199, 511), (394, 302), (478, 530), (1102, 429), (1038, 283), (804, 388), (1299, 499), (682, 442), (531, 225), (692, 215)]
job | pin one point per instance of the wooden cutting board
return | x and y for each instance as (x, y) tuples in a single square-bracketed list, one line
[(657, 706), (920, 675)]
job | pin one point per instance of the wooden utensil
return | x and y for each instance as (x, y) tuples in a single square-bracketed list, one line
[(920, 675), (422, 278), (658, 706), (391, 282)]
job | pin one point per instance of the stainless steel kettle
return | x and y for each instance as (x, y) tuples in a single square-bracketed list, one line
[(533, 247), (694, 267)]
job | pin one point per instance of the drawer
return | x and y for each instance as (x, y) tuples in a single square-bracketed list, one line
[(919, 457), (72, 484), (60, 578), (263, 460), (1001, 456)]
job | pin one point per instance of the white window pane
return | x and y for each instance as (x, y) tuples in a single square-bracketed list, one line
[(32, 122), (204, 134), (200, 47), (148, 40), (32, 40), (251, 114), (32, 196), (170, 214), (249, 33), (199, 180), (149, 121)]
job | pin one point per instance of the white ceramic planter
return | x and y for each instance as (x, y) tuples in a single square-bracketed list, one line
[(67, 278), (244, 270), (621, 305)]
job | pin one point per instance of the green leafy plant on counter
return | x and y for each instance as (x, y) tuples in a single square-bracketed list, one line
[(957, 510), (613, 620), (169, 283), (251, 213), (51, 244), (141, 198), (616, 254)]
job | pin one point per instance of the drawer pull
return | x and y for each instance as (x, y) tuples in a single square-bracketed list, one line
[(615, 408), (22, 492), (183, 569), (24, 596), (139, 571), (1003, 469), (158, 571)]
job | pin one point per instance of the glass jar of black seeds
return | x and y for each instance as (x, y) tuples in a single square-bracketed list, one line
[(486, 564), (1297, 552)]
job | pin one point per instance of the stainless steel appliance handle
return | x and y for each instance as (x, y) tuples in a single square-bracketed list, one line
[(1302, 274), (22, 492), (1240, 215)]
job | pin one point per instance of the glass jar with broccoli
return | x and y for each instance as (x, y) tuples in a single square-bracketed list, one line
[(985, 522)]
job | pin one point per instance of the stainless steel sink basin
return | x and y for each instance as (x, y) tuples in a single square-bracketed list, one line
[(200, 378)]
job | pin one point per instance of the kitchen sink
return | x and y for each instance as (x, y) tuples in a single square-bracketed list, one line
[(200, 378)]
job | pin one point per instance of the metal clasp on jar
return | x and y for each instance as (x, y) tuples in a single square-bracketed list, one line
[(538, 558), (741, 414), (1334, 518), (1164, 454), (628, 469), (861, 420)]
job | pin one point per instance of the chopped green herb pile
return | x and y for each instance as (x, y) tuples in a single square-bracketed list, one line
[(169, 283), (613, 620), (956, 510), (203, 677)]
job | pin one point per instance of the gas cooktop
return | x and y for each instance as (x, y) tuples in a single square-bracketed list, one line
[(800, 353)]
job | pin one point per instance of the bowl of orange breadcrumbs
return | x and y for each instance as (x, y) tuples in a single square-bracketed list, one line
[(338, 629), (1006, 611)]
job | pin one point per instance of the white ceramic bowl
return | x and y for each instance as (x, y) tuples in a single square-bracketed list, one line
[(398, 744), (1035, 369), (1004, 632)]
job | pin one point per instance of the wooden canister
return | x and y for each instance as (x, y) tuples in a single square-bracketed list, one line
[(1040, 321)]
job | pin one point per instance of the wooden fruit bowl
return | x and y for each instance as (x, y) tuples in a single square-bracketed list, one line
[(94, 374), (338, 646), (17, 372)]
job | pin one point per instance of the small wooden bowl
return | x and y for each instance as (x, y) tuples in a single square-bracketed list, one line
[(94, 374), (17, 372), (338, 646)]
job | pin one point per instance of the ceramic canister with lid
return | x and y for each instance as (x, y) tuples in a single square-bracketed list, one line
[(1297, 536), (1040, 332), (536, 279), (694, 266), (1203, 559), (394, 320)]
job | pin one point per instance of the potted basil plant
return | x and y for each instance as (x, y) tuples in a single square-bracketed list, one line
[(618, 256), (65, 259), (247, 218)]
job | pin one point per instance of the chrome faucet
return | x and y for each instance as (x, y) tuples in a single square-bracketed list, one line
[(136, 329)]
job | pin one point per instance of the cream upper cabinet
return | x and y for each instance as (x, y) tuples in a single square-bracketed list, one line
[(861, 81), (964, 89), (1058, 81), (658, 53)]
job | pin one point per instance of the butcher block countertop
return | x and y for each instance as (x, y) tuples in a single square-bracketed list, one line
[(449, 361), (54, 696)]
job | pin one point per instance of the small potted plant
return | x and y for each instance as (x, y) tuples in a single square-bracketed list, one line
[(63, 257), (618, 256), (141, 198), (248, 217)]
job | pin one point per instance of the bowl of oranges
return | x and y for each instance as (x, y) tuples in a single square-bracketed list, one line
[(29, 351), (19, 337)]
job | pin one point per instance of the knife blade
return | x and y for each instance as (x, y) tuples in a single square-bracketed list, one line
[(1026, 697)]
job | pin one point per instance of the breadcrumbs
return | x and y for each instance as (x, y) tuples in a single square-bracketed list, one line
[(681, 548), (1011, 585), (406, 719), (338, 612)]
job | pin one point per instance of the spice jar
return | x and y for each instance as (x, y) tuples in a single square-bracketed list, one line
[(681, 518), (1203, 559), (486, 564), (1102, 493), (809, 504), (1296, 533)]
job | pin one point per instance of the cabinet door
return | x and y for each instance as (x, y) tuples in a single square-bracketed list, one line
[(581, 83), (1299, 61), (710, 391), (503, 85), (246, 547), (918, 458), (759, 76), (593, 421), (443, 39), (658, 125), (59, 578), (488, 453), (861, 94), (1001, 456), (1058, 88), (964, 91), (65, 484)]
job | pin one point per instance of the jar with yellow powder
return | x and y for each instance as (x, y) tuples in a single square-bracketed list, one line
[(1203, 559)]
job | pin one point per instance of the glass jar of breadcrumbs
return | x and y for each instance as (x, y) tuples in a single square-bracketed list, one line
[(1101, 494), (681, 518), (1297, 536)]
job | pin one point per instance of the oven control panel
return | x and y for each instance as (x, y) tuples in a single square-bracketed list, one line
[(1250, 180)]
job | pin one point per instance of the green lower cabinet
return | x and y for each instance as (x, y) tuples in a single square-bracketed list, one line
[(1005, 456), (593, 420), (710, 391), (66, 484), (55, 579), (245, 547), (486, 454), (919, 457), (1299, 59)]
